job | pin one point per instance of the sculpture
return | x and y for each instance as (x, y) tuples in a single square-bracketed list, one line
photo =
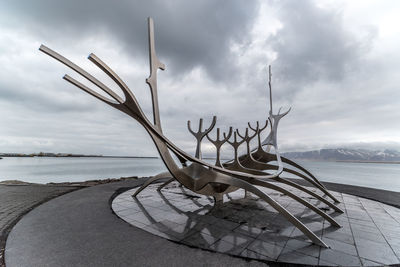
[(246, 171)]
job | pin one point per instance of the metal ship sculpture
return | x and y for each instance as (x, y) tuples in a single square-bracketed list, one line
[(246, 172)]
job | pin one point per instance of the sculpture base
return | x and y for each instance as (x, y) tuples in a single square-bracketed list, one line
[(248, 227)]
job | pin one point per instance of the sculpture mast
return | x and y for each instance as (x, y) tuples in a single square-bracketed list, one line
[(270, 90), (268, 148), (155, 64)]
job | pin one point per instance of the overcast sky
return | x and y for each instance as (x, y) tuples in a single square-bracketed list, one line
[(335, 63)]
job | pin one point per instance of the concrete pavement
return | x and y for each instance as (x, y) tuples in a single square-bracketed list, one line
[(80, 229), (17, 200)]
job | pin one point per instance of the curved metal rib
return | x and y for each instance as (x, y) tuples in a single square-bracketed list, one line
[(259, 159), (235, 144), (88, 90), (248, 158), (267, 157), (218, 144), (199, 135), (146, 184), (170, 180), (162, 144), (235, 164), (82, 72), (200, 177), (132, 108), (250, 163), (263, 166), (205, 177), (298, 199), (296, 165), (258, 131), (224, 179), (311, 193)]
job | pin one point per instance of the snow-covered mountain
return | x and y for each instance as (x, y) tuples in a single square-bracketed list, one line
[(346, 154)]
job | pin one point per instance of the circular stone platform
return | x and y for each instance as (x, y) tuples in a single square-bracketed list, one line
[(249, 227)]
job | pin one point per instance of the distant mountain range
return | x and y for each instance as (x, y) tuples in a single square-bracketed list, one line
[(345, 154)]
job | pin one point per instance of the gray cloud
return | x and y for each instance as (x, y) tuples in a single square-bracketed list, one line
[(188, 34), (315, 44), (342, 88)]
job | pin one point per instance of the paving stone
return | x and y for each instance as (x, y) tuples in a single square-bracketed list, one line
[(200, 240), (253, 255), (303, 247), (265, 248), (228, 247), (250, 228), (340, 246), (225, 224), (345, 229), (340, 236), (216, 232), (390, 231), (365, 235), (340, 258), (396, 247), (376, 251), (366, 262), (275, 237), (293, 257), (359, 216), (368, 226), (326, 263), (316, 228)]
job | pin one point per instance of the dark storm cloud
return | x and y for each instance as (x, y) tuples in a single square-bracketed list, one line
[(315, 44), (188, 33)]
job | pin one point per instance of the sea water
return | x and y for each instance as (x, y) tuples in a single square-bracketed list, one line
[(74, 169), (49, 169)]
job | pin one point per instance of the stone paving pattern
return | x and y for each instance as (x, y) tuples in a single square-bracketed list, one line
[(251, 228), (16, 200)]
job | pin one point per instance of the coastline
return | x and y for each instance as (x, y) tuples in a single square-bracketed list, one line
[(85, 183), (76, 156)]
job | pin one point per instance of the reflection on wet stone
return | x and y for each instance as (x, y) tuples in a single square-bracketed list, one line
[(250, 228)]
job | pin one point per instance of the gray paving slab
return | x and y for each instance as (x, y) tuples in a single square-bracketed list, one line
[(339, 258), (265, 235), (80, 229)]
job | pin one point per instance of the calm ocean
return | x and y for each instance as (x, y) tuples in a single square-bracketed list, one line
[(44, 170)]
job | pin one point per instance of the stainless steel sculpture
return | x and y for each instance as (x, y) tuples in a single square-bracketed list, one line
[(246, 171)]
